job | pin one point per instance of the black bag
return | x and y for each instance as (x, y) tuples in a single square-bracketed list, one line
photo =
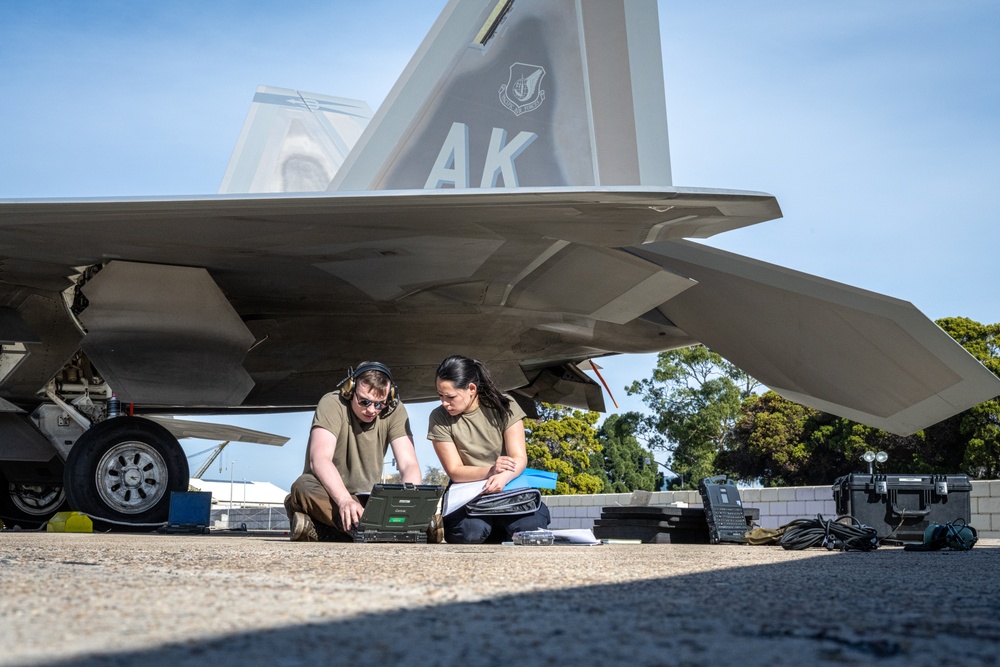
[(515, 501)]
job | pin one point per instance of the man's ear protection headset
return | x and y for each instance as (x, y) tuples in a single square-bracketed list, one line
[(348, 385), (956, 535)]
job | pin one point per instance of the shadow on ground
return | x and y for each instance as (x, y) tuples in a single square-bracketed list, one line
[(888, 606)]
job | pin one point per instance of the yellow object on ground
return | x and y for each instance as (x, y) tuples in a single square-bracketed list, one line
[(70, 522)]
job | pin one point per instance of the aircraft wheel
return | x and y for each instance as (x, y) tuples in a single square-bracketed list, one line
[(29, 505), (123, 470)]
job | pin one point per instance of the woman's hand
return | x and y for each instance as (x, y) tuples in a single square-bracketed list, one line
[(504, 470), (495, 483), (505, 464)]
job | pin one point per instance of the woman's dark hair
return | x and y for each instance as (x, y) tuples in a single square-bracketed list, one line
[(461, 371)]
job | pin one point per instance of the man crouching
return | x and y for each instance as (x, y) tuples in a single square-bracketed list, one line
[(351, 431)]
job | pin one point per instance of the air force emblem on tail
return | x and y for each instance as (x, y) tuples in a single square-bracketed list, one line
[(523, 91)]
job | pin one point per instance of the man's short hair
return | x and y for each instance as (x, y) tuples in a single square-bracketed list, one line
[(377, 381)]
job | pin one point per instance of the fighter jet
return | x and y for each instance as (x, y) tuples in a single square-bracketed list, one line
[(511, 200)]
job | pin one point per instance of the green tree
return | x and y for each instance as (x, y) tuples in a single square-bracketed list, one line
[(694, 397), (435, 476), (979, 426), (769, 441), (780, 442), (562, 440), (624, 463)]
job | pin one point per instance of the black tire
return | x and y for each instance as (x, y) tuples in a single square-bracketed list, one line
[(123, 470), (29, 506)]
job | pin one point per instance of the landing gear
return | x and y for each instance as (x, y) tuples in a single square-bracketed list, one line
[(29, 505), (123, 470)]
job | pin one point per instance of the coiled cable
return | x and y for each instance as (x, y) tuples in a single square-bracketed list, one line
[(829, 533)]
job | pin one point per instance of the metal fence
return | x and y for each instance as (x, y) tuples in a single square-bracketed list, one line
[(255, 518)]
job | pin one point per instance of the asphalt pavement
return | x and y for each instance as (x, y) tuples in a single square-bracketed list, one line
[(257, 599)]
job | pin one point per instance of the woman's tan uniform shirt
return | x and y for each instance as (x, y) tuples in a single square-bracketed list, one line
[(478, 435)]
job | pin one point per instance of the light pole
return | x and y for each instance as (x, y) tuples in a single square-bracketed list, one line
[(384, 464), (232, 466)]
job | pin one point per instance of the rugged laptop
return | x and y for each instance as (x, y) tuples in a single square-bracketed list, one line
[(398, 513), (723, 510)]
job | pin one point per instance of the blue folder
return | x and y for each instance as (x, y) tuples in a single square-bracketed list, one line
[(531, 478)]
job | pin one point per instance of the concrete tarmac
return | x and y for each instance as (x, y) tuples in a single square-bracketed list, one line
[(119, 599)]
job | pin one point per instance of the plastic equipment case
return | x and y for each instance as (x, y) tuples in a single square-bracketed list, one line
[(906, 504)]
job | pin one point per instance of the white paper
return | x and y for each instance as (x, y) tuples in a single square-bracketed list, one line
[(583, 536), (460, 494)]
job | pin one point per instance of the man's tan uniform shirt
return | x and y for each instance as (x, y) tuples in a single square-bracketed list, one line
[(361, 448), (478, 435)]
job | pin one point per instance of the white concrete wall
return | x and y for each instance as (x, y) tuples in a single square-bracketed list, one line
[(777, 506), (986, 508)]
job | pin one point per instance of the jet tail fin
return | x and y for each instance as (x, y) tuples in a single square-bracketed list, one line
[(518, 93), (293, 141)]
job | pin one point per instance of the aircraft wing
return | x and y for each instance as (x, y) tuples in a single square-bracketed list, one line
[(266, 300), (185, 428), (289, 291), (854, 353)]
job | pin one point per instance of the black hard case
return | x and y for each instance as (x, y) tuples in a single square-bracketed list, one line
[(659, 524), (903, 503)]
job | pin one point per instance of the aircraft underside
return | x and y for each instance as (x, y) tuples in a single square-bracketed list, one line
[(132, 338)]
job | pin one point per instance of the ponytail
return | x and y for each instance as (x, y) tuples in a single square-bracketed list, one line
[(462, 371)]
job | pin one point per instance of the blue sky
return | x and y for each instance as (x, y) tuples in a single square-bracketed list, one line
[(876, 125)]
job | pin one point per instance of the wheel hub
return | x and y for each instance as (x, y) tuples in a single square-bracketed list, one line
[(36, 500), (131, 477)]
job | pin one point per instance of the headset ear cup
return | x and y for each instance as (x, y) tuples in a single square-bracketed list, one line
[(346, 385), (391, 401), (960, 536), (939, 535), (930, 535)]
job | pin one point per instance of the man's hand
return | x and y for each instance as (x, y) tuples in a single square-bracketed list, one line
[(350, 512)]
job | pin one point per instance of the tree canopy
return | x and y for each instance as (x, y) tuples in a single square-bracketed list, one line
[(435, 476), (710, 415), (623, 462), (695, 398), (979, 426), (562, 440)]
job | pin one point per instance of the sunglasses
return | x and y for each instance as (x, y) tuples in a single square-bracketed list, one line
[(364, 402)]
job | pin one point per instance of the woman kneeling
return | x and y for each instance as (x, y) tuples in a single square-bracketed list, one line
[(478, 434)]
